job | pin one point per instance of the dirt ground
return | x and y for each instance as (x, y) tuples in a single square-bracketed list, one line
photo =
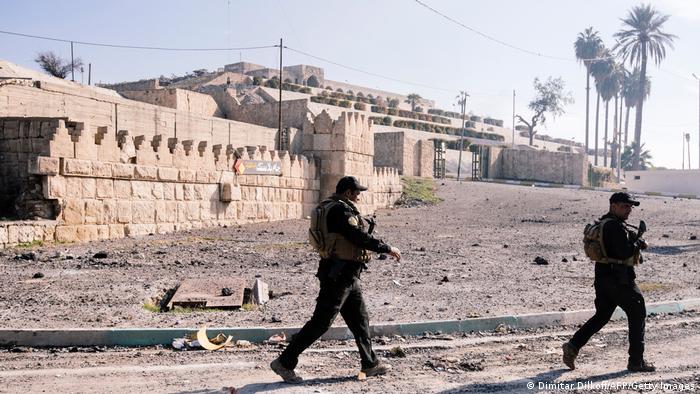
[(468, 256), (509, 362)]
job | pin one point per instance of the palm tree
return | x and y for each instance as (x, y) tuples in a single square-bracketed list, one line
[(644, 158), (600, 69), (413, 99), (640, 38), (609, 86), (630, 92), (588, 46)]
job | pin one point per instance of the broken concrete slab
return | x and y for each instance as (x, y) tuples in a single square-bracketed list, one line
[(222, 292)]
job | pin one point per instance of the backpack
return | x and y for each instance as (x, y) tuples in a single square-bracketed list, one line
[(318, 228), (593, 240)]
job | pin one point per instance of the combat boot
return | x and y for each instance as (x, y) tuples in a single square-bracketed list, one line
[(288, 375), (641, 366), (379, 369), (569, 355)]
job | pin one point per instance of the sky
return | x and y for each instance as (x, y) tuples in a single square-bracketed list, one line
[(402, 46)]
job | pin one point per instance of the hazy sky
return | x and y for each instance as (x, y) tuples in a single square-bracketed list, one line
[(399, 39)]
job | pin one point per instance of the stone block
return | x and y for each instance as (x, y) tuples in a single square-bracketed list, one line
[(116, 231), (193, 208), (164, 228), (87, 187), (157, 190), (76, 167), (187, 175), (143, 212), (87, 233), (44, 166), (181, 212), (205, 211), (66, 233), (200, 192), (74, 187), (49, 233), (93, 211), (3, 235), (168, 174), (230, 211), (188, 192), (103, 232), (146, 173), (135, 230), (179, 191), (12, 234), (124, 171), (109, 212), (124, 211), (166, 211), (141, 190), (122, 189), (202, 176), (101, 169), (53, 187), (104, 188), (73, 211), (168, 191)]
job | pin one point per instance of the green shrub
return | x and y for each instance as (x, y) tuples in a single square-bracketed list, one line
[(360, 106), (378, 109), (392, 111), (386, 121), (332, 101), (418, 109), (345, 103), (257, 81), (305, 89)]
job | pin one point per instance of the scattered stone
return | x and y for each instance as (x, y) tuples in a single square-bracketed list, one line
[(275, 319), (26, 256), (505, 246), (541, 261), (444, 279), (476, 244), (685, 264), (38, 275), (421, 249), (396, 351), (574, 258), (469, 365), (693, 237), (564, 260), (100, 255), (664, 235), (381, 256)]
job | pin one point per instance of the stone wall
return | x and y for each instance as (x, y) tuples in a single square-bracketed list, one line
[(408, 156), (294, 113), (180, 99), (99, 107), (103, 188), (345, 146), (538, 165), (664, 181)]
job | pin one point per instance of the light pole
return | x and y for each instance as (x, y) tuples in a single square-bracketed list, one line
[(513, 143), (462, 100), (696, 77), (687, 140)]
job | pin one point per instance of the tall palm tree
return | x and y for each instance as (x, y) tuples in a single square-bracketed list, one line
[(609, 86), (630, 92), (641, 37), (588, 46), (600, 69)]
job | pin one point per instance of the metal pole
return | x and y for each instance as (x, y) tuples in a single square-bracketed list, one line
[(279, 119), (683, 152), (513, 144), (89, 72), (687, 137), (72, 64), (463, 100), (696, 77)]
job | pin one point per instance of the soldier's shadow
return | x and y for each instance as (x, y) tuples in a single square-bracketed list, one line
[(520, 385), (673, 250), (301, 387)]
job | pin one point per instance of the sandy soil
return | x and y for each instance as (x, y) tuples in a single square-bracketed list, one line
[(471, 255)]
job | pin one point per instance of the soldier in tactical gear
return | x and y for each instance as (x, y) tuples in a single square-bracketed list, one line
[(340, 292), (615, 286)]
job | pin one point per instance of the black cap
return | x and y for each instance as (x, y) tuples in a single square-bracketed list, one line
[(624, 198), (348, 183)]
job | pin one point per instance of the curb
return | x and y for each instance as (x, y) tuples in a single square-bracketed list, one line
[(579, 187), (163, 336)]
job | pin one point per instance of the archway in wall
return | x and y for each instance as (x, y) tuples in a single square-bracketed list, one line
[(313, 82)]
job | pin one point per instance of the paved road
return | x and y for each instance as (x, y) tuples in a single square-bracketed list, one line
[(510, 361)]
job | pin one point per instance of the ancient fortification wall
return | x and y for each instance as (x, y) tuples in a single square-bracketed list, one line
[(180, 99), (93, 165), (398, 150), (538, 165)]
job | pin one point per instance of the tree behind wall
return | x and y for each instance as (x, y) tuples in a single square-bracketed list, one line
[(551, 98), (56, 66)]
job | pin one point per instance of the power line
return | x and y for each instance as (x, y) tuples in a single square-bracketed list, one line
[(98, 44), (368, 72)]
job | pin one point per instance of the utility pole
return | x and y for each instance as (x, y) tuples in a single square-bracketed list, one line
[(696, 77), (513, 144), (683, 153), (89, 72), (72, 64), (279, 119), (687, 139), (463, 101)]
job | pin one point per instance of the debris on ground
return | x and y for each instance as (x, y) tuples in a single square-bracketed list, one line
[(539, 260)]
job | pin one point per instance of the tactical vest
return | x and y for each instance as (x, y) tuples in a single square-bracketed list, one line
[(594, 246), (334, 245)]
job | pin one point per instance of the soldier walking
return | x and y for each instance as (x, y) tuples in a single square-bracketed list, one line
[(344, 253), (615, 286)]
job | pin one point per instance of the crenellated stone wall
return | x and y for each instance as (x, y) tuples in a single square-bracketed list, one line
[(345, 146), (408, 156)]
